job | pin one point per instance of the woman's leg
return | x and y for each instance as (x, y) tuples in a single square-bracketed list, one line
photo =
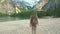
[(33, 30)]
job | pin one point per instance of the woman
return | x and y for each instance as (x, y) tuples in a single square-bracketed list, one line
[(33, 22)]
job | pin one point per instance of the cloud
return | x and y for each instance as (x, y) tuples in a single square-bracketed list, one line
[(29, 2)]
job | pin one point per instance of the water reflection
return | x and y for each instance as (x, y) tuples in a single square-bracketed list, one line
[(2, 19)]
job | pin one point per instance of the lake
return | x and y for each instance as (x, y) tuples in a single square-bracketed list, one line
[(2, 19)]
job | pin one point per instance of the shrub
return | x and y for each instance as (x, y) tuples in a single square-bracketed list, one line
[(27, 14), (57, 11), (3, 15)]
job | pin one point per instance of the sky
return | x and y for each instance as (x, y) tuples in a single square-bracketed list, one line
[(30, 3)]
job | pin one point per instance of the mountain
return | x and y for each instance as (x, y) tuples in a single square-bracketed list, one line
[(46, 4), (51, 4), (40, 4), (20, 5), (6, 6), (9, 6)]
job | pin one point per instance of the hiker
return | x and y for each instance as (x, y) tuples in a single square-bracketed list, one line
[(33, 22)]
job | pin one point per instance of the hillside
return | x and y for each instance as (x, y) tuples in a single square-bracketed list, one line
[(20, 5), (47, 4), (51, 4), (9, 6), (6, 6), (40, 4)]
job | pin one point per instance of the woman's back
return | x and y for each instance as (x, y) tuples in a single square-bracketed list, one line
[(34, 19)]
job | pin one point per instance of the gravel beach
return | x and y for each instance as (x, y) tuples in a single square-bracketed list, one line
[(45, 26)]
